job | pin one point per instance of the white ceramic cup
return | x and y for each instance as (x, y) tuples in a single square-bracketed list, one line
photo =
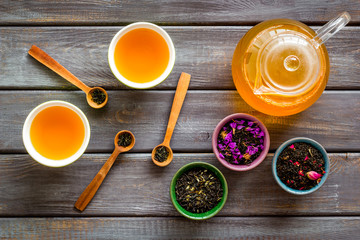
[(129, 28), (37, 156)]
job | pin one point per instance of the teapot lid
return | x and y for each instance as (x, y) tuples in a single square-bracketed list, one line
[(288, 63)]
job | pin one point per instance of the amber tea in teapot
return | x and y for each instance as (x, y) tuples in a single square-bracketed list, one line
[(281, 66)]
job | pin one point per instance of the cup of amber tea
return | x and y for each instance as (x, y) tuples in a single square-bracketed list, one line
[(56, 133), (141, 55)]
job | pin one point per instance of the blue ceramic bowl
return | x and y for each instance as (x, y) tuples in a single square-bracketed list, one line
[(315, 145)]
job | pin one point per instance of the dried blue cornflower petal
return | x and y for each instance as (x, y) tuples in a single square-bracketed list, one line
[(221, 156), (250, 123)]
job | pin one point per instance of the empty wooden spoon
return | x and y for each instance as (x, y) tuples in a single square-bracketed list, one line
[(92, 188), (179, 98), (48, 61)]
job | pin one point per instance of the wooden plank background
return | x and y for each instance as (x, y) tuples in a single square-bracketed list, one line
[(205, 52), (275, 228), (334, 120), (171, 11), (136, 187), (36, 202)]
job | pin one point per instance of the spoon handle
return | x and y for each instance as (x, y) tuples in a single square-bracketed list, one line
[(179, 98), (51, 63), (92, 188)]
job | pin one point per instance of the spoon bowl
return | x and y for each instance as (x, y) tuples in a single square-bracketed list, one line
[(51, 63), (94, 104), (121, 148), (169, 158)]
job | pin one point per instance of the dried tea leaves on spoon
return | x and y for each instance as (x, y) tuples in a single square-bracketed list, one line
[(161, 154), (125, 139), (300, 166), (97, 96), (198, 190), (240, 142)]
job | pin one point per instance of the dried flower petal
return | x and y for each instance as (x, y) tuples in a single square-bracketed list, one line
[(228, 137), (239, 121), (306, 158), (250, 123), (239, 127), (221, 146), (251, 150), (221, 156), (233, 125), (312, 175), (292, 146), (261, 134), (232, 145), (301, 173)]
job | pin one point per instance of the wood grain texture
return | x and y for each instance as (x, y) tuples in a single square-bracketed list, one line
[(204, 52), (334, 120), (274, 228), (171, 11), (136, 187)]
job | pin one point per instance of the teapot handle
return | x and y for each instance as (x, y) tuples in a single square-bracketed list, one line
[(330, 28)]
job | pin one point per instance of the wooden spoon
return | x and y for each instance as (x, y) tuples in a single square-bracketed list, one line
[(180, 94), (92, 188), (48, 61)]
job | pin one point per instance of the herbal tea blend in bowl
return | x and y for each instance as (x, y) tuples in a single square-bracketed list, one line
[(198, 190), (240, 142), (300, 166)]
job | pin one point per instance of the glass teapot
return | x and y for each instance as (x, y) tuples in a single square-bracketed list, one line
[(281, 66)]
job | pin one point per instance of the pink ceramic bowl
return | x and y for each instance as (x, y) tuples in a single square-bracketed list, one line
[(257, 161)]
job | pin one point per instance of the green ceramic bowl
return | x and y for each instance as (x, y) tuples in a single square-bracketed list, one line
[(205, 215)]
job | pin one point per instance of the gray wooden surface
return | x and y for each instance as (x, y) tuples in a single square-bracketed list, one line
[(204, 51), (334, 120), (171, 11), (36, 202), (179, 228), (36, 190)]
